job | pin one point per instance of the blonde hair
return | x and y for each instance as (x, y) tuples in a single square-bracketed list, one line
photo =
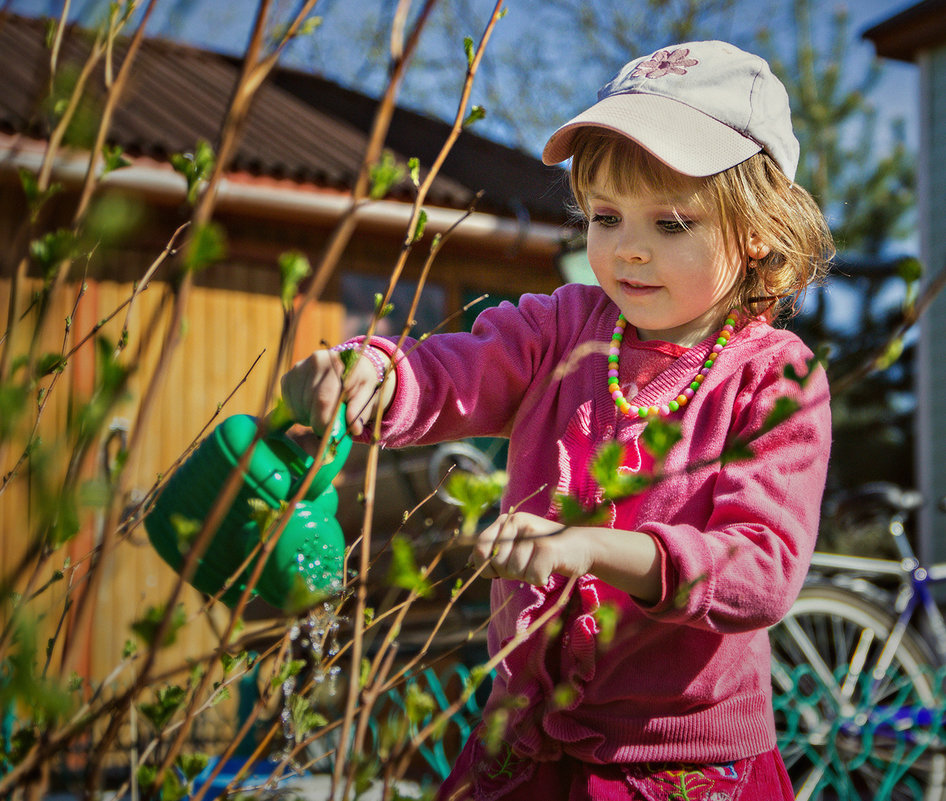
[(754, 198)]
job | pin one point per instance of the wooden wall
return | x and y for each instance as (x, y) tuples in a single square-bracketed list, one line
[(233, 316)]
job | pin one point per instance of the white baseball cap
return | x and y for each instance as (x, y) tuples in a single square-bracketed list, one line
[(700, 107)]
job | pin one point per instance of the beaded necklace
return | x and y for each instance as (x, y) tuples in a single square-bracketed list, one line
[(614, 387)]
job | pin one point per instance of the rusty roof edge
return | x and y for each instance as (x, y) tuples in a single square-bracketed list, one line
[(247, 195)]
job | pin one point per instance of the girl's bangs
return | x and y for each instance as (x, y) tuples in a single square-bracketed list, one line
[(624, 167)]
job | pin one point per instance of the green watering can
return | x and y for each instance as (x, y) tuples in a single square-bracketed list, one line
[(306, 562)]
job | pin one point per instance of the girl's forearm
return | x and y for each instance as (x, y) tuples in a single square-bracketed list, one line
[(628, 560)]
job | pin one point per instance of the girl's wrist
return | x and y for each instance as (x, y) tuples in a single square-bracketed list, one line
[(373, 355)]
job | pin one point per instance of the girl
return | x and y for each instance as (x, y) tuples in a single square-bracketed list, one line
[(698, 237)]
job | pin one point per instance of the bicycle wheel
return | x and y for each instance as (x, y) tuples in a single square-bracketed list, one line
[(848, 728)]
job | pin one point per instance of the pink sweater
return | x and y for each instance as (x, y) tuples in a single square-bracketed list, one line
[(689, 678)]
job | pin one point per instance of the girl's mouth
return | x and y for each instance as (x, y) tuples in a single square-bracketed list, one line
[(635, 288)]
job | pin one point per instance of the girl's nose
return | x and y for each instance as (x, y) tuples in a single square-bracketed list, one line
[(633, 248)]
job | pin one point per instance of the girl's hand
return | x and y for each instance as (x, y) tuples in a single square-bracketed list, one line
[(530, 548), (312, 387)]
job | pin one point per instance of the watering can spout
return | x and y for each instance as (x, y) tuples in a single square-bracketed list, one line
[(305, 563)]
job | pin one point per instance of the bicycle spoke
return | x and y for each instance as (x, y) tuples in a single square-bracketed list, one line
[(855, 706)]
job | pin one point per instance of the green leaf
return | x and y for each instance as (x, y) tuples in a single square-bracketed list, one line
[(382, 309), (413, 164), (172, 788), (167, 701), (563, 696), (891, 354), (476, 113), (475, 494), (146, 775), (572, 512), (192, 764), (264, 515), (659, 436), (196, 167), (910, 269), (207, 245), (185, 530), (403, 571), (418, 704), (384, 175), (147, 627), (50, 363), (303, 718), (616, 483), (468, 49), (294, 267), (286, 671), (783, 409), (738, 451), (607, 616), (419, 228), (113, 159), (52, 249)]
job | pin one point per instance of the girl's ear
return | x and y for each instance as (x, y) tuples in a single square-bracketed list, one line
[(756, 248)]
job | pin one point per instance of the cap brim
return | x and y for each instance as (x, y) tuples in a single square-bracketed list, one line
[(685, 139)]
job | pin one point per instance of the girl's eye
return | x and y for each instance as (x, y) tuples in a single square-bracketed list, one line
[(607, 220), (674, 226)]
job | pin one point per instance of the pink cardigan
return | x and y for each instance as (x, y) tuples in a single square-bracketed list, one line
[(689, 678)]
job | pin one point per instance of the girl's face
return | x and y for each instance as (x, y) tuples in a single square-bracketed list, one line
[(662, 259)]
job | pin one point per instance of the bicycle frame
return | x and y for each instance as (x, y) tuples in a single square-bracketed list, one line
[(915, 592)]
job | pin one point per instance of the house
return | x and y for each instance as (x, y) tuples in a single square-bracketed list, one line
[(918, 35), (286, 188)]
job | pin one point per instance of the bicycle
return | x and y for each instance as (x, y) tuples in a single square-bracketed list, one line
[(857, 681)]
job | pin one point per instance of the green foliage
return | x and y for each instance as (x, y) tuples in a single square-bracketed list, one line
[(146, 628), (419, 228), (381, 309), (783, 409), (294, 268), (413, 165), (113, 158), (563, 696), (186, 530), (25, 685), (384, 175), (469, 50), (167, 700), (403, 571), (607, 616), (111, 220), (475, 494), (35, 199), (418, 704), (191, 765), (476, 114), (659, 436), (207, 245), (286, 671), (868, 193), (53, 249), (196, 167), (303, 718), (615, 482)]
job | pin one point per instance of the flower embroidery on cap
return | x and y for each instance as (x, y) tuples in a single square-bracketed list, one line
[(664, 62)]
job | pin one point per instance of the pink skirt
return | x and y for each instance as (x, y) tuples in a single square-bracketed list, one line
[(480, 776)]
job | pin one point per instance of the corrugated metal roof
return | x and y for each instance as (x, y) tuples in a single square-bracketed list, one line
[(300, 126)]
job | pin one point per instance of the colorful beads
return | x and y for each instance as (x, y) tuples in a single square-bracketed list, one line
[(630, 410)]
